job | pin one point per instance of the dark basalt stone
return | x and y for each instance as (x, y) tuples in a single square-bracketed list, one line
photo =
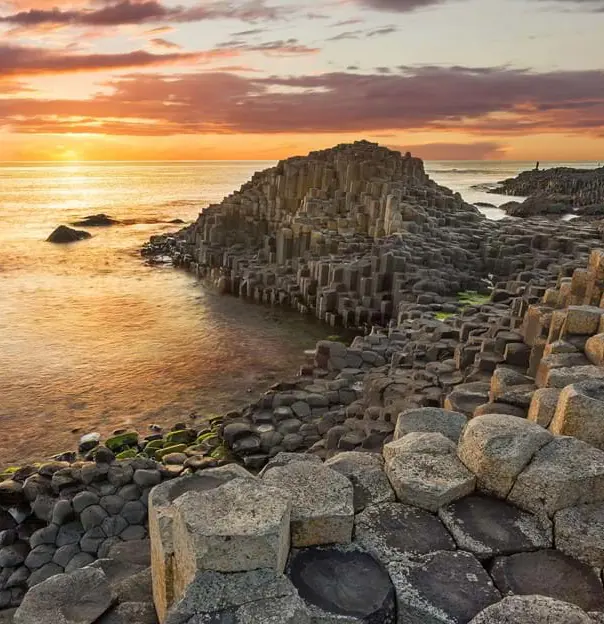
[(345, 582), (451, 585), (488, 527), (97, 220), (392, 530), (549, 573), (64, 234)]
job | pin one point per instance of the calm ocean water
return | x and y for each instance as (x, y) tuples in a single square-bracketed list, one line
[(93, 339)]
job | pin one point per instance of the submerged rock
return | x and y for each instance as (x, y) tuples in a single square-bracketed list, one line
[(64, 234), (97, 220)]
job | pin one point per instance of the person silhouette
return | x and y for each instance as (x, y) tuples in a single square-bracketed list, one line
[(537, 166)]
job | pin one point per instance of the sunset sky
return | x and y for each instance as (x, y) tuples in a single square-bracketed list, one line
[(264, 79)]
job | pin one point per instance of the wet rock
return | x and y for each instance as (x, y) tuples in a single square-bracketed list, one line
[(549, 573), (97, 220), (441, 587), (487, 527), (64, 234)]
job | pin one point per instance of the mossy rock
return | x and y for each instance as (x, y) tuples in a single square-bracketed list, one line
[(175, 448), (8, 472), (155, 444), (122, 441), (206, 436), (336, 338), (220, 452), (182, 436), (443, 316), (127, 454), (472, 298)]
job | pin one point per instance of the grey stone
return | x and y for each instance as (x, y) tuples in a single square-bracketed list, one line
[(283, 459), (40, 556), (322, 503), (93, 516), (543, 406), (441, 588), (564, 473), (92, 539), (83, 500), (137, 587), (292, 442), (301, 409), (392, 531), (579, 532), (129, 492), (366, 473), (78, 598), (343, 585), (146, 478), (138, 554), (286, 610), (134, 512), (107, 545), (532, 610), (430, 420), (424, 470), (45, 535), (133, 533), (65, 554), (18, 577), (497, 447), (112, 503), (45, 572), (113, 525), (78, 561), (549, 573), (13, 555), (62, 512), (120, 474), (131, 613), (488, 527)]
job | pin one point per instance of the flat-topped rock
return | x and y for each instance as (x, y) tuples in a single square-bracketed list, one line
[(441, 588), (488, 527), (424, 471), (549, 573), (564, 473), (497, 447), (430, 420), (394, 531), (366, 473), (343, 585), (242, 525), (532, 610), (322, 503), (465, 398), (579, 532), (77, 598)]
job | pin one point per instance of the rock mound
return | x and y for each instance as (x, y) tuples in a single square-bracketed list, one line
[(64, 234), (97, 220)]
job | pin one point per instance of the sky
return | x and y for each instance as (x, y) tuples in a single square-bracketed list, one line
[(268, 79)]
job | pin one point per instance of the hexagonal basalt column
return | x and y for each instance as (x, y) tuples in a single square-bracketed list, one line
[(161, 515), (240, 526), (322, 503)]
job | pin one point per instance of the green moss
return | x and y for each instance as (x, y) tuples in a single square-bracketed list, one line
[(441, 316), (175, 448), (205, 436), (122, 441), (127, 454), (182, 436), (8, 472), (472, 298), (220, 452), (336, 338)]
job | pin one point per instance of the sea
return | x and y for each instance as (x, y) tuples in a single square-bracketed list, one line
[(94, 339)]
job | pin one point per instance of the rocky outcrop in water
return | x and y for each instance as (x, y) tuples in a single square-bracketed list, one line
[(556, 191), (64, 234), (97, 220)]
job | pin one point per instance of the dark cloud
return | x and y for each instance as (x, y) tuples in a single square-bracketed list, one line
[(480, 150), (359, 34), (143, 11), (399, 6), (160, 42), (280, 47), (492, 101), (24, 61)]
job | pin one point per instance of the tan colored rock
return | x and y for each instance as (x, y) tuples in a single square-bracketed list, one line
[(594, 349), (424, 471), (564, 473), (562, 377), (161, 515), (430, 420), (322, 503), (240, 526), (580, 412), (582, 320), (497, 447), (579, 532), (543, 406), (558, 360)]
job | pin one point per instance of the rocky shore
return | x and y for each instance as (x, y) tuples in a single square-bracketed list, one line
[(557, 191), (447, 467)]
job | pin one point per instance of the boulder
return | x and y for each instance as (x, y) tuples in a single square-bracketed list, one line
[(392, 531), (549, 573), (497, 447), (130, 613), (97, 220), (579, 532), (430, 420), (594, 349), (543, 406), (465, 398), (366, 473), (488, 527), (532, 610), (424, 470), (322, 503), (343, 585), (580, 412), (564, 473), (64, 234), (442, 587), (77, 598)]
